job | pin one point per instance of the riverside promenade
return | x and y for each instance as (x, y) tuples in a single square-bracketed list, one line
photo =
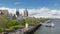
[(29, 30)]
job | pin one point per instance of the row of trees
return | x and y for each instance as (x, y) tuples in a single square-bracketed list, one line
[(13, 23), (33, 20), (6, 23)]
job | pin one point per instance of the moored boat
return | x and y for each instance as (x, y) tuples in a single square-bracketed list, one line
[(49, 25)]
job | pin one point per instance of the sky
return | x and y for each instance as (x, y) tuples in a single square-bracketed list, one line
[(53, 4), (37, 8)]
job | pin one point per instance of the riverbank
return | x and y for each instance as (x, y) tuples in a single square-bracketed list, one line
[(15, 26), (6, 23), (29, 30), (32, 29)]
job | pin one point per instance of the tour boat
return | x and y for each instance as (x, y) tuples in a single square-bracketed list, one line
[(49, 25)]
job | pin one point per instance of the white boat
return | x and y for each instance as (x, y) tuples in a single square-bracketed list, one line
[(49, 25)]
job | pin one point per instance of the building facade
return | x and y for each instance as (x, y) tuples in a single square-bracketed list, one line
[(18, 15), (25, 13), (17, 12), (3, 12)]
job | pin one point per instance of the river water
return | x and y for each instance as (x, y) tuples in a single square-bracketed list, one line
[(49, 30)]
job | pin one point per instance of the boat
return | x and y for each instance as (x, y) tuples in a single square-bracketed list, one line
[(49, 25)]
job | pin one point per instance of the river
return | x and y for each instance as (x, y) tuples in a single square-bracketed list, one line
[(49, 30)]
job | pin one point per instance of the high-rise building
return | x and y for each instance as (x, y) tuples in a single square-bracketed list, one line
[(25, 13), (3, 12), (17, 12), (18, 15)]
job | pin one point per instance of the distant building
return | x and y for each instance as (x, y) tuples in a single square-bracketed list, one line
[(25, 13), (3, 12), (18, 15), (14, 16), (17, 12)]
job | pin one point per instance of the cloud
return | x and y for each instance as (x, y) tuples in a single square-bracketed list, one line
[(3, 8), (1, 4), (56, 4), (18, 3), (39, 12), (44, 12)]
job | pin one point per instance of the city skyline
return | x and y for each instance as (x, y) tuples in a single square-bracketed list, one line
[(37, 8)]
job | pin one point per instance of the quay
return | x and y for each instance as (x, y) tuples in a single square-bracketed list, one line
[(32, 29), (29, 30)]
